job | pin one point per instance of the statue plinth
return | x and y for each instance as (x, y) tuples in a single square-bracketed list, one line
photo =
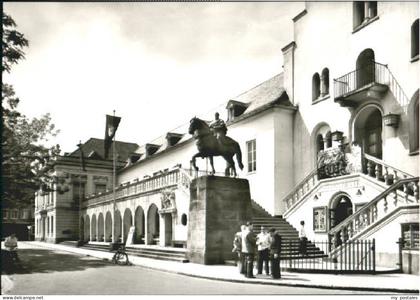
[(218, 207)]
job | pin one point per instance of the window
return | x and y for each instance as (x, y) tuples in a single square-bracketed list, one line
[(100, 188), (5, 214), (78, 191), (410, 236), (52, 224), (315, 86), (364, 12), (184, 219), (415, 40), (413, 117), (325, 82), (251, 147), (14, 213), (320, 219)]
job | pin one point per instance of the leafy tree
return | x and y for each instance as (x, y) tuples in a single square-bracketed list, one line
[(25, 159)]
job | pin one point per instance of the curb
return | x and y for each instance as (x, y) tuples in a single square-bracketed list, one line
[(251, 281), (262, 282)]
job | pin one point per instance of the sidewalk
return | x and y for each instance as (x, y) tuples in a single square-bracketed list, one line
[(399, 283)]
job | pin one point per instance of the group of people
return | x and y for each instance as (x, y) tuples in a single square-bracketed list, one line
[(267, 244)]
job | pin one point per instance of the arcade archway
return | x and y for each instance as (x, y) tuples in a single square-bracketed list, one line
[(101, 227), (108, 227), (93, 228), (153, 224), (139, 224)]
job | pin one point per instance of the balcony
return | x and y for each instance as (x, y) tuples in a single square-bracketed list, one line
[(366, 83)]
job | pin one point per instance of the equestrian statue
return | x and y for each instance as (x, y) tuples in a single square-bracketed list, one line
[(212, 141)]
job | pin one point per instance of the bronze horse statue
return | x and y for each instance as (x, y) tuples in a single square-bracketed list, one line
[(208, 146)]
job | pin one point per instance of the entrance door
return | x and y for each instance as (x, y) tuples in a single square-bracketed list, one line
[(341, 209), (168, 229), (373, 142)]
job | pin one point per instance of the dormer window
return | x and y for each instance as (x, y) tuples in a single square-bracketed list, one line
[(173, 138), (151, 149), (134, 157), (235, 109)]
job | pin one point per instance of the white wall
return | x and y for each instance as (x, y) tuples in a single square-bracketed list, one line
[(324, 38)]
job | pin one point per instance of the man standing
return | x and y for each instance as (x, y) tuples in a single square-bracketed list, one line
[(303, 239), (237, 247), (275, 249), (248, 249), (263, 242)]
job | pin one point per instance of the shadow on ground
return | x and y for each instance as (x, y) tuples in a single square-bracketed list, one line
[(47, 261)]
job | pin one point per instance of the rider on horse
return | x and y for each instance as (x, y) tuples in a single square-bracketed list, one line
[(218, 128)]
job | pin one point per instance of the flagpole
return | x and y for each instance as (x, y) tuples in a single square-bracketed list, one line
[(113, 182), (81, 230)]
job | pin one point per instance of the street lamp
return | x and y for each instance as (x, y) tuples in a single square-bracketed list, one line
[(29, 231)]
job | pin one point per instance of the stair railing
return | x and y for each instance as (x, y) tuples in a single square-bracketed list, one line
[(375, 210), (301, 189), (397, 91), (377, 168)]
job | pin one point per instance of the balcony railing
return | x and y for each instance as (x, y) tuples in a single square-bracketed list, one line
[(176, 177), (371, 73)]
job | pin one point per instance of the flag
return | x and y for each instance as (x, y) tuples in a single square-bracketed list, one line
[(82, 159), (112, 123)]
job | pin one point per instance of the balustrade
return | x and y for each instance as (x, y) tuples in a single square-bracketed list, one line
[(149, 184), (301, 189), (370, 213), (382, 171)]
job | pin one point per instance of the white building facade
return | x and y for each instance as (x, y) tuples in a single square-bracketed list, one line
[(332, 140)]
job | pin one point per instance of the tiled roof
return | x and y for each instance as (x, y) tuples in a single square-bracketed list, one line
[(263, 94), (97, 145)]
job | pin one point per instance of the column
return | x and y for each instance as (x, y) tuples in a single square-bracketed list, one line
[(162, 231)]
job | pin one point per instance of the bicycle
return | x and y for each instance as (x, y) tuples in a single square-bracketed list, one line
[(120, 257)]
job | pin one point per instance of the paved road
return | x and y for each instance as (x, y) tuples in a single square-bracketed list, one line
[(52, 272)]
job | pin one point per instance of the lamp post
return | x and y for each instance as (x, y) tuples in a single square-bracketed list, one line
[(29, 231)]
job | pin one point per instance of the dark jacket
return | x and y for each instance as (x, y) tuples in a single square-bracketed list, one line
[(250, 243), (275, 247)]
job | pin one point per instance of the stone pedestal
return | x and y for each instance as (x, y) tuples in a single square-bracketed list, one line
[(218, 207)]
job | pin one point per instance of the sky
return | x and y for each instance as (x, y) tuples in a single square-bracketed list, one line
[(156, 64)]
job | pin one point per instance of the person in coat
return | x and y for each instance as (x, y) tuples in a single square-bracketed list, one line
[(248, 249), (275, 250)]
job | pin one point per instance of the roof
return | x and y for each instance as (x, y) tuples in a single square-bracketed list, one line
[(265, 93), (95, 148)]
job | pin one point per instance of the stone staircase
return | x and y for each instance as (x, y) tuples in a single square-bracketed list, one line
[(155, 252), (162, 253), (70, 243), (290, 237)]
